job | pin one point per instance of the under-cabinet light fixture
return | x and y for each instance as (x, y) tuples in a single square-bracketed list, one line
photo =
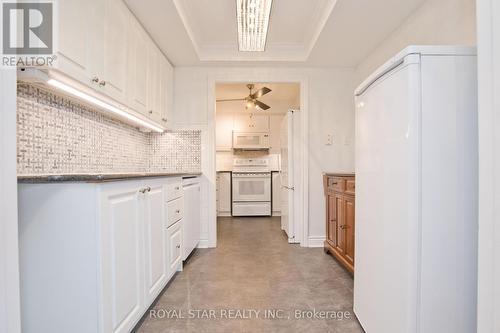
[(77, 93), (253, 23)]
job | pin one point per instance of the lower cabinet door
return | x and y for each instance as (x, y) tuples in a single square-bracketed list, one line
[(174, 241), (122, 262), (154, 239), (349, 229), (332, 221), (339, 212)]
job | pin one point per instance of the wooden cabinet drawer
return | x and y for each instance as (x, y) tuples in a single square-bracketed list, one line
[(175, 211), (350, 186), (336, 184), (174, 190)]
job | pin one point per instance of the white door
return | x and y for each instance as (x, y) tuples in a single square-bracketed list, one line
[(79, 38), (387, 136), (191, 220), (154, 238), (286, 176), (116, 32), (276, 202), (122, 261)]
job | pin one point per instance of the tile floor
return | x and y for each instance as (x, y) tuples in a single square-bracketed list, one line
[(254, 268)]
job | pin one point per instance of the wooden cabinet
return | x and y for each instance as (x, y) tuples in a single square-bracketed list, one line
[(340, 218)]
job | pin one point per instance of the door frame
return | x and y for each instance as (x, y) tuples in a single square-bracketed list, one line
[(261, 76), (488, 38), (10, 308)]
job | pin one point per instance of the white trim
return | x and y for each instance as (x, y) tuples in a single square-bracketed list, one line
[(488, 20), (10, 318), (253, 75), (316, 241)]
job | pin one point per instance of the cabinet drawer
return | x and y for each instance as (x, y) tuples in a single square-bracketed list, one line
[(174, 240), (175, 211), (350, 186), (336, 184), (174, 190)]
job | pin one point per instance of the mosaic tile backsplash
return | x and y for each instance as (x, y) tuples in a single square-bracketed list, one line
[(57, 136)]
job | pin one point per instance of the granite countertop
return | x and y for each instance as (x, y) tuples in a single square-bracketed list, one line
[(97, 178)]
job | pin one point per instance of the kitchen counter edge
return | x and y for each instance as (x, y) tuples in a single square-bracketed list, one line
[(96, 178)]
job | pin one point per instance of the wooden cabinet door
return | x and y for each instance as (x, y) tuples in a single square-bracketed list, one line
[(349, 229), (332, 220), (154, 239), (339, 212), (122, 261)]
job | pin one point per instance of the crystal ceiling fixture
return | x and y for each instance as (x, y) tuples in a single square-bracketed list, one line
[(253, 23)]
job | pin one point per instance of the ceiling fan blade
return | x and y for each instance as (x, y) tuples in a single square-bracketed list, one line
[(261, 92), (262, 105), (231, 100)]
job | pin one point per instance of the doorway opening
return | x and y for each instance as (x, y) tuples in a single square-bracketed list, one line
[(258, 155)]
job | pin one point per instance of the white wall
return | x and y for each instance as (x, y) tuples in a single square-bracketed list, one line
[(435, 22), (489, 166), (330, 107), (10, 321)]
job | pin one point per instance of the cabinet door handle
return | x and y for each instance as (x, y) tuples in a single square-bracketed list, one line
[(102, 83), (178, 211), (150, 111), (178, 246), (177, 188), (164, 120), (149, 189), (95, 79), (142, 190)]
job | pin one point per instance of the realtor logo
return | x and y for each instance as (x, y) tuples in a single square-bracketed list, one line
[(27, 28)]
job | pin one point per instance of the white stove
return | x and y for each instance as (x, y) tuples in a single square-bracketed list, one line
[(251, 187)]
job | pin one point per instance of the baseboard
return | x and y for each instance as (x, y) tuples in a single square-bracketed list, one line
[(316, 241), (276, 214), (223, 214), (203, 244)]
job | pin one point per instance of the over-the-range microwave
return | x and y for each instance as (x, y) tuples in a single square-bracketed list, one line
[(251, 141)]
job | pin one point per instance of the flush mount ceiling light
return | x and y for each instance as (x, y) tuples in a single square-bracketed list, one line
[(253, 22)]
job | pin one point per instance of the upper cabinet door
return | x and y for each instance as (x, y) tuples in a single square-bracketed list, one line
[(250, 122), (138, 67), (116, 32), (166, 90), (153, 79), (79, 39)]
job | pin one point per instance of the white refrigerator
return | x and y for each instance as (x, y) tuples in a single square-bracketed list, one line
[(289, 136), (416, 193)]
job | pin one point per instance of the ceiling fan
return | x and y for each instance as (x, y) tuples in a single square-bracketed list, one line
[(252, 98)]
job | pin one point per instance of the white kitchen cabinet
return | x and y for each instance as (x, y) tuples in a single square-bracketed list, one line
[(251, 122), (106, 245), (79, 40), (154, 239), (224, 131), (224, 193), (276, 202), (115, 50), (191, 218), (122, 261), (153, 83), (166, 91), (174, 239), (138, 57)]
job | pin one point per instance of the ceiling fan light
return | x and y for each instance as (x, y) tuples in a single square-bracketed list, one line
[(253, 23)]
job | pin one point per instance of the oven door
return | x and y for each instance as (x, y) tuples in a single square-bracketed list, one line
[(251, 187)]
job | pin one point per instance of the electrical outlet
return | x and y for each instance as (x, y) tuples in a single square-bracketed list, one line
[(329, 139)]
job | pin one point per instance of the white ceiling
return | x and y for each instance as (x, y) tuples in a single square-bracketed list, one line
[(310, 33)]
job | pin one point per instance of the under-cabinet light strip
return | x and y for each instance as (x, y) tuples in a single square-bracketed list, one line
[(104, 105)]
